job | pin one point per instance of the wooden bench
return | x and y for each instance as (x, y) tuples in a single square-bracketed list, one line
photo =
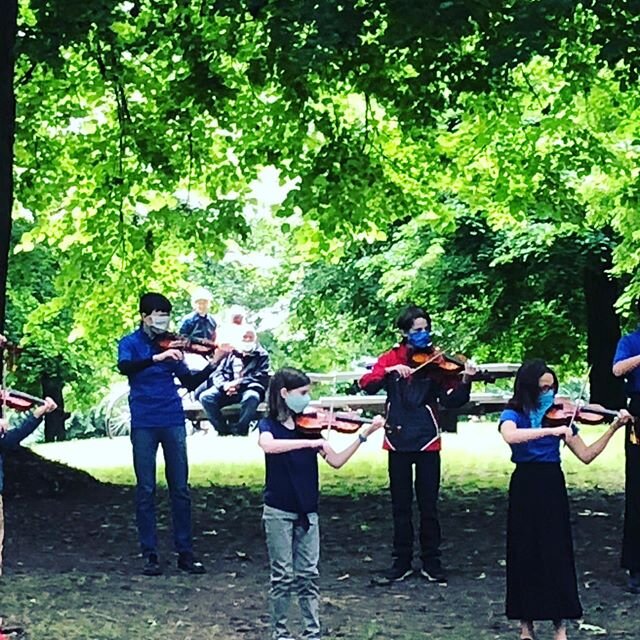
[(480, 403)]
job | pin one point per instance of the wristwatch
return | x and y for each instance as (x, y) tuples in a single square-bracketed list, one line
[(362, 438)]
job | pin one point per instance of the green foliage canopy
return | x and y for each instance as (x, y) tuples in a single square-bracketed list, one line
[(404, 126)]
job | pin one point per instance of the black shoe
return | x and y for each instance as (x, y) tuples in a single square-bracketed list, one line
[(634, 582), (434, 572), (235, 430), (398, 572), (152, 566), (186, 562)]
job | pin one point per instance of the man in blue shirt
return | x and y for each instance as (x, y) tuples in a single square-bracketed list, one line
[(626, 362), (199, 323), (157, 417)]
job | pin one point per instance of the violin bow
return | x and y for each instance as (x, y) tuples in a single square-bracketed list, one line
[(332, 406), (579, 399)]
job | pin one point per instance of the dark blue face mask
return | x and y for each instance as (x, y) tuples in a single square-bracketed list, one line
[(420, 339)]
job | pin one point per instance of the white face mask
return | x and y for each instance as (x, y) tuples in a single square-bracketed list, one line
[(159, 324), (248, 347)]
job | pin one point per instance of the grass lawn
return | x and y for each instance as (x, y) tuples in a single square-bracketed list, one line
[(73, 570), (474, 458)]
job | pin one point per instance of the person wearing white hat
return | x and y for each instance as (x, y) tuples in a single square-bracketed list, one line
[(199, 323)]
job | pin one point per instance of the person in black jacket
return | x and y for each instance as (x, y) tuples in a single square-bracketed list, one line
[(242, 377), (412, 438)]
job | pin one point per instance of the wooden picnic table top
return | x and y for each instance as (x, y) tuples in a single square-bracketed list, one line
[(497, 369)]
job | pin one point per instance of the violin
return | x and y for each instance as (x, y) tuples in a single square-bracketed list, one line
[(201, 346), (15, 400), (566, 413), (19, 401), (437, 359), (341, 421)]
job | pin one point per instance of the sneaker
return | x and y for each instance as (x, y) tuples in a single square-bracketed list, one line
[(434, 572), (152, 566), (186, 562), (634, 582), (398, 572)]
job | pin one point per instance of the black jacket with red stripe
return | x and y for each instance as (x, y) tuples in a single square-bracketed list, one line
[(412, 403)]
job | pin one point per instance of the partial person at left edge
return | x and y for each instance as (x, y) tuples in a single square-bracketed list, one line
[(157, 417), (10, 439)]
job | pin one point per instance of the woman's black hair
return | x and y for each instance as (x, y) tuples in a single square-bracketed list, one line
[(286, 378), (404, 321), (150, 302), (525, 388)]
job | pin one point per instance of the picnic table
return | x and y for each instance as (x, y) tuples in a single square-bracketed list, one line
[(480, 403)]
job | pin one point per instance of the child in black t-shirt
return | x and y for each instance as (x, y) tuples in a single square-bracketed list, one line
[(291, 500)]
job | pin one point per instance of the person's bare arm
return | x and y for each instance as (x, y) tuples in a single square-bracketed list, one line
[(587, 453), (337, 459), (512, 435), (625, 366)]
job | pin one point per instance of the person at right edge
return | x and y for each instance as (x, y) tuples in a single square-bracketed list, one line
[(412, 438), (626, 362)]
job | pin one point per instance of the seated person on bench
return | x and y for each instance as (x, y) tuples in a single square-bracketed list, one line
[(242, 377), (199, 323)]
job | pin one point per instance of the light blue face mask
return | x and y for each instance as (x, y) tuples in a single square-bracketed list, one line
[(545, 401), (297, 402)]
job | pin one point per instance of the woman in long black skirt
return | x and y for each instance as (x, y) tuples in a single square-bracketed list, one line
[(541, 575)]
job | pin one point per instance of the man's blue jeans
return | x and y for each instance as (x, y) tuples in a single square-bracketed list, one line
[(145, 443), (214, 399)]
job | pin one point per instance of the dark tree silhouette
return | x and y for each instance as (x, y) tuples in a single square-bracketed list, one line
[(8, 28)]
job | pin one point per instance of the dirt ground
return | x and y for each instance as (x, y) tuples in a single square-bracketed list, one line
[(72, 569)]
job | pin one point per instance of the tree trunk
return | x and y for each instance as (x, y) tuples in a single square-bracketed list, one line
[(54, 430), (603, 332), (8, 28)]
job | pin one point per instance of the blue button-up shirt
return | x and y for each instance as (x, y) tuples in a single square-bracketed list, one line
[(629, 346), (153, 395)]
